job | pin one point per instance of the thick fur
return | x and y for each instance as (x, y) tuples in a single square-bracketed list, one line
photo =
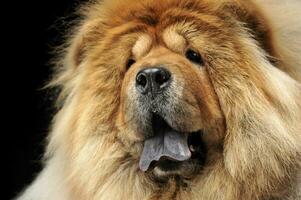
[(250, 93)]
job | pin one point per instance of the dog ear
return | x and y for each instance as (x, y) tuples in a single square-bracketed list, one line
[(254, 20), (72, 55), (76, 49), (82, 38), (276, 27)]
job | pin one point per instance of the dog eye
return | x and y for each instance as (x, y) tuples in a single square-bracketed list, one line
[(194, 56), (130, 63)]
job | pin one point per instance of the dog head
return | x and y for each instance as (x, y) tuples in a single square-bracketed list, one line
[(179, 89)]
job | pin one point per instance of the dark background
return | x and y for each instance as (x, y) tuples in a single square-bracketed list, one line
[(31, 30)]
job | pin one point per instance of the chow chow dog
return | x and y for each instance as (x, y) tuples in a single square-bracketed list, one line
[(177, 99)]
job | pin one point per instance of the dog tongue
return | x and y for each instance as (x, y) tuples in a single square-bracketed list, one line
[(171, 144)]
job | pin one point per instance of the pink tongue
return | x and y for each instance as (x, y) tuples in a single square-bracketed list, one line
[(171, 144)]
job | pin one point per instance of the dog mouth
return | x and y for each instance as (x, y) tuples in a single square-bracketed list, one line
[(169, 149)]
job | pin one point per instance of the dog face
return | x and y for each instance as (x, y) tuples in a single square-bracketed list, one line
[(168, 89), (167, 82), (182, 89)]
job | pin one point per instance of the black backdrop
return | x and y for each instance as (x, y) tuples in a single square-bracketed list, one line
[(31, 31)]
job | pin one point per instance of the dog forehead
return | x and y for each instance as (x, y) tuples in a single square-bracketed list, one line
[(173, 40), (169, 37), (142, 45)]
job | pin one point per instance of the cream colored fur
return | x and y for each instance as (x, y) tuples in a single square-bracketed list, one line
[(122, 181)]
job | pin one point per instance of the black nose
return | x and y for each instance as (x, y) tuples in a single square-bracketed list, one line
[(152, 80)]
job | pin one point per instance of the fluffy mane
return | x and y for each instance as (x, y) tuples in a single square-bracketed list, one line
[(261, 155)]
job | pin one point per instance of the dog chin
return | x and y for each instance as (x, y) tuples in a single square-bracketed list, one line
[(185, 170), (160, 173)]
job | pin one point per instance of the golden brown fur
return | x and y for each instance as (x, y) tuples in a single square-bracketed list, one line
[(247, 98)]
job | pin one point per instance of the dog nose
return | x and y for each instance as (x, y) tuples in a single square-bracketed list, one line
[(152, 80)]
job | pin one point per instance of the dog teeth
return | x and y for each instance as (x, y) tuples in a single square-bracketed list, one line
[(192, 149)]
